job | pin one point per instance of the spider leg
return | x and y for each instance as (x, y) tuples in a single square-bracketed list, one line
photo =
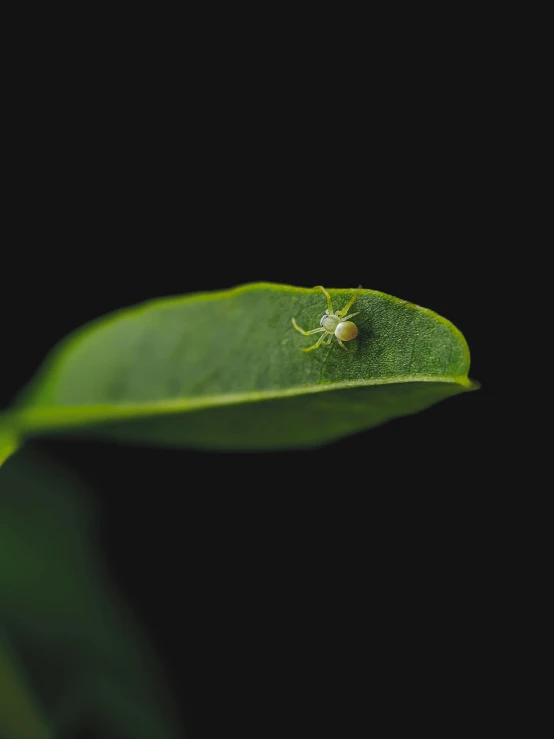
[(328, 297), (345, 318), (345, 349), (306, 333), (350, 302), (314, 346)]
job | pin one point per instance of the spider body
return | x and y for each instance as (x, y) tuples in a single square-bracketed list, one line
[(333, 323)]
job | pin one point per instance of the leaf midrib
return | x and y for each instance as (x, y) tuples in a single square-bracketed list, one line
[(41, 418)]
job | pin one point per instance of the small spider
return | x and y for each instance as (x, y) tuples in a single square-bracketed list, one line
[(333, 324)]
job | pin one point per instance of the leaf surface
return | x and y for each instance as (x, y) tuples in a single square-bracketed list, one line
[(226, 370)]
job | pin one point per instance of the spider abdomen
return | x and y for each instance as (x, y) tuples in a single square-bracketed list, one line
[(346, 330)]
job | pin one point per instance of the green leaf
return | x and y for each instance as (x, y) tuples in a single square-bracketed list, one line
[(71, 656), (8, 442), (226, 370), (20, 716)]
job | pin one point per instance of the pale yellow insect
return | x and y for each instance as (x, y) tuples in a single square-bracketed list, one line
[(333, 324)]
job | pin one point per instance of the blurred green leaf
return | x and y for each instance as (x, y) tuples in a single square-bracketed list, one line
[(8, 442), (20, 716), (225, 370), (72, 651)]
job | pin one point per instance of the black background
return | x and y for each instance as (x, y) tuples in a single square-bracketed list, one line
[(285, 590)]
